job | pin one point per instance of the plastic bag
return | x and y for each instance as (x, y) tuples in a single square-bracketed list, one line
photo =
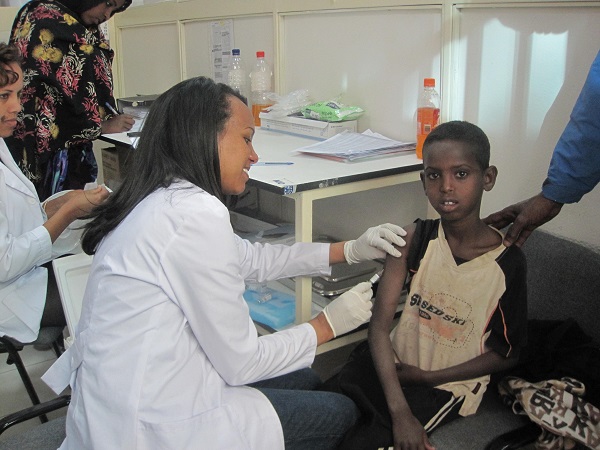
[(289, 104), (331, 111)]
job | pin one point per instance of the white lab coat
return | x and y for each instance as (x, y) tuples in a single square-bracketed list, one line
[(165, 343), (25, 245)]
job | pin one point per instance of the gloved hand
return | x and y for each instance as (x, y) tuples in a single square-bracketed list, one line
[(351, 309), (375, 243)]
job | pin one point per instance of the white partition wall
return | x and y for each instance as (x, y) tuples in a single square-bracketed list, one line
[(513, 67), (7, 15), (251, 34), (517, 73), (153, 59), (374, 58)]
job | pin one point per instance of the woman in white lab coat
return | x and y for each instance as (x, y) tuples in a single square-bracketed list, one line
[(27, 231), (165, 347)]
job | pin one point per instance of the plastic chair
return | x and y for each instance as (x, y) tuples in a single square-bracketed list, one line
[(47, 336), (71, 274)]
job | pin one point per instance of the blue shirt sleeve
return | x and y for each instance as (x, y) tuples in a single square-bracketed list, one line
[(575, 166)]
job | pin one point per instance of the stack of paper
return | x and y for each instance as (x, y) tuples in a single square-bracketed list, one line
[(348, 146)]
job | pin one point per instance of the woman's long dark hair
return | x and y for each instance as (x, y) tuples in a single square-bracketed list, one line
[(179, 142)]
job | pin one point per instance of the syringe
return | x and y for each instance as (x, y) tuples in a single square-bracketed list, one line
[(375, 278)]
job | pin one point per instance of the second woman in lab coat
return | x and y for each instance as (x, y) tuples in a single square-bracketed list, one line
[(30, 235), (165, 348)]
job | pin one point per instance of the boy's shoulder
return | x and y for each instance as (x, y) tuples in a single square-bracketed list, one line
[(420, 233), (514, 256)]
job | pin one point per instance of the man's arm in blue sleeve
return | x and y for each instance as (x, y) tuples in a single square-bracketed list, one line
[(575, 166)]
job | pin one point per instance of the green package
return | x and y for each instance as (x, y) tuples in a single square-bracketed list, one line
[(331, 112)]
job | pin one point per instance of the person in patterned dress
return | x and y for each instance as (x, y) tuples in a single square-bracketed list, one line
[(68, 84)]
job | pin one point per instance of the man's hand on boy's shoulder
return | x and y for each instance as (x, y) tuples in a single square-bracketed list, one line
[(525, 217)]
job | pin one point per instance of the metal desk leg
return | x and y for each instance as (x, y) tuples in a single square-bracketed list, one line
[(304, 226)]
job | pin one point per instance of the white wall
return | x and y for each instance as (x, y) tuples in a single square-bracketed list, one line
[(519, 71), (369, 56), (7, 16), (515, 68)]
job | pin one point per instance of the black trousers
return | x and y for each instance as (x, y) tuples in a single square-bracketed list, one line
[(53, 315), (359, 381)]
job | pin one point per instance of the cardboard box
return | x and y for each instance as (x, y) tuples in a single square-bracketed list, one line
[(305, 127), (114, 165)]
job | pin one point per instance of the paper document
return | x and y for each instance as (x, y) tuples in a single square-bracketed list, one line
[(348, 146)]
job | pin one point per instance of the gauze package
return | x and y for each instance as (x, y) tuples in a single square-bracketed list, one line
[(331, 111)]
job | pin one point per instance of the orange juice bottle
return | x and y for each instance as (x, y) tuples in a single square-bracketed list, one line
[(428, 113)]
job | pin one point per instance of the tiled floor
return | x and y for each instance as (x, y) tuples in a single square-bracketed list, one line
[(13, 396)]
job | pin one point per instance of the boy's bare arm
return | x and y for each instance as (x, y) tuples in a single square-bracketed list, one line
[(488, 363), (407, 429)]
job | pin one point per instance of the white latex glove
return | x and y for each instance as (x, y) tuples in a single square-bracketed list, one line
[(375, 243), (351, 309)]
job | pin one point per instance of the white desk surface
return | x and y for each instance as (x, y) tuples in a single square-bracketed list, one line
[(312, 172), (307, 172), (117, 139)]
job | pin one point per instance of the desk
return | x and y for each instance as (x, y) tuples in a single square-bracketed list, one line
[(120, 139), (312, 178)]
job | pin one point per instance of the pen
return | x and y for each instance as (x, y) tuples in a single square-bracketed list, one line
[(283, 163), (111, 109)]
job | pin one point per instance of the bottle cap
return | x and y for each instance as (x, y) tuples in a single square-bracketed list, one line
[(235, 51), (429, 82), (260, 54)]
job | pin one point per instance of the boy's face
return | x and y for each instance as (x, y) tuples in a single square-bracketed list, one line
[(453, 181)]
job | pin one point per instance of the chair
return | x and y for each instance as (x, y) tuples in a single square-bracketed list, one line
[(71, 274), (49, 435), (47, 336)]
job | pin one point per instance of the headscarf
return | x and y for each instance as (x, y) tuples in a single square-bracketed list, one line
[(80, 6)]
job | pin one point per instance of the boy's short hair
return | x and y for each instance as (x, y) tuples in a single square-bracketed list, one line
[(465, 132)]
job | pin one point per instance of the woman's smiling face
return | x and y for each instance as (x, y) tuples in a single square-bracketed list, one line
[(236, 154)]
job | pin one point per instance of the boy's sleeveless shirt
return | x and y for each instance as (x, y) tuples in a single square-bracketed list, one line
[(447, 316)]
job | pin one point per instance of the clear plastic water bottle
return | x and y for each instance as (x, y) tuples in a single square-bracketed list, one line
[(237, 73), (428, 113), (260, 86)]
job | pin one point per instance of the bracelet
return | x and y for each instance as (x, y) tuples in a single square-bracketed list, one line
[(44, 204)]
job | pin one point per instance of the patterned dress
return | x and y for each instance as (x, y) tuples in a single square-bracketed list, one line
[(67, 81)]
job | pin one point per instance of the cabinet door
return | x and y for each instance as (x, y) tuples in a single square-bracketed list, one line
[(150, 59)]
